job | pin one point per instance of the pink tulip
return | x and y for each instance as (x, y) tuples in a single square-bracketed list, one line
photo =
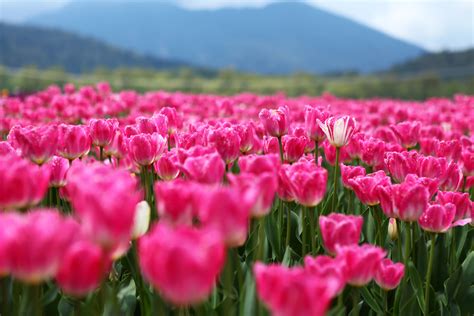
[(292, 291), (58, 168), (389, 274), (74, 141), (36, 143), (227, 142), (104, 200), (308, 182), (460, 200), (401, 164), (467, 162), (207, 168), (276, 122), (406, 201), (6, 148), (167, 166), (366, 187), (118, 148), (261, 188), (249, 141), (350, 172), (293, 147), (338, 130), (408, 133), (270, 145), (186, 265), (372, 153), (340, 230), (22, 184), (8, 222), (173, 118), (325, 266), (102, 131), (176, 201), (438, 218), (311, 117), (285, 187), (227, 211), (361, 262), (451, 176), (145, 149), (40, 241), (258, 164), (81, 269)]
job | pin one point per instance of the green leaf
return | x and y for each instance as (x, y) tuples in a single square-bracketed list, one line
[(248, 304), (50, 295), (417, 285), (127, 298), (65, 307), (371, 301), (271, 230), (287, 257)]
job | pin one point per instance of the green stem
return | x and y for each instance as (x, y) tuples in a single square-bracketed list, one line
[(408, 229), (428, 275), (169, 141), (288, 226), (101, 153), (312, 229), (5, 291), (452, 251), (228, 284), (336, 171), (30, 301), (303, 226), (316, 151), (261, 240), (355, 301), (378, 230), (280, 145)]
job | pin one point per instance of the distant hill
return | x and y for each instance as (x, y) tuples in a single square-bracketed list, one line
[(446, 64), (24, 45), (283, 37)]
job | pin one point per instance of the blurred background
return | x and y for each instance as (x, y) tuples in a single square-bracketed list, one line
[(352, 48)]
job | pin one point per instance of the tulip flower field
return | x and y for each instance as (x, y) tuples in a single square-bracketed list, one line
[(119, 203)]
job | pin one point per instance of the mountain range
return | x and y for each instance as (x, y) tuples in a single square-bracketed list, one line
[(25, 45), (280, 38)]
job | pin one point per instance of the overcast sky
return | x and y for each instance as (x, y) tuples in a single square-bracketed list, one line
[(433, 24)]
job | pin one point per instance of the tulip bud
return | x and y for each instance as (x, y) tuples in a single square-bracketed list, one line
[(392, 229), (276, 122), (141, 220)]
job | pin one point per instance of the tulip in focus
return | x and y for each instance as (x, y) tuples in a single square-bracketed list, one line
[(366, 187), (36, 143), (438, 218), (276, 122), (338, 130), (340, 230), (308, 182), (389, 274), (145, 149), (74, 141), (362, 262)]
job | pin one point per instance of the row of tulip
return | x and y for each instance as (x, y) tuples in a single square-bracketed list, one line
[(199, 204)]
